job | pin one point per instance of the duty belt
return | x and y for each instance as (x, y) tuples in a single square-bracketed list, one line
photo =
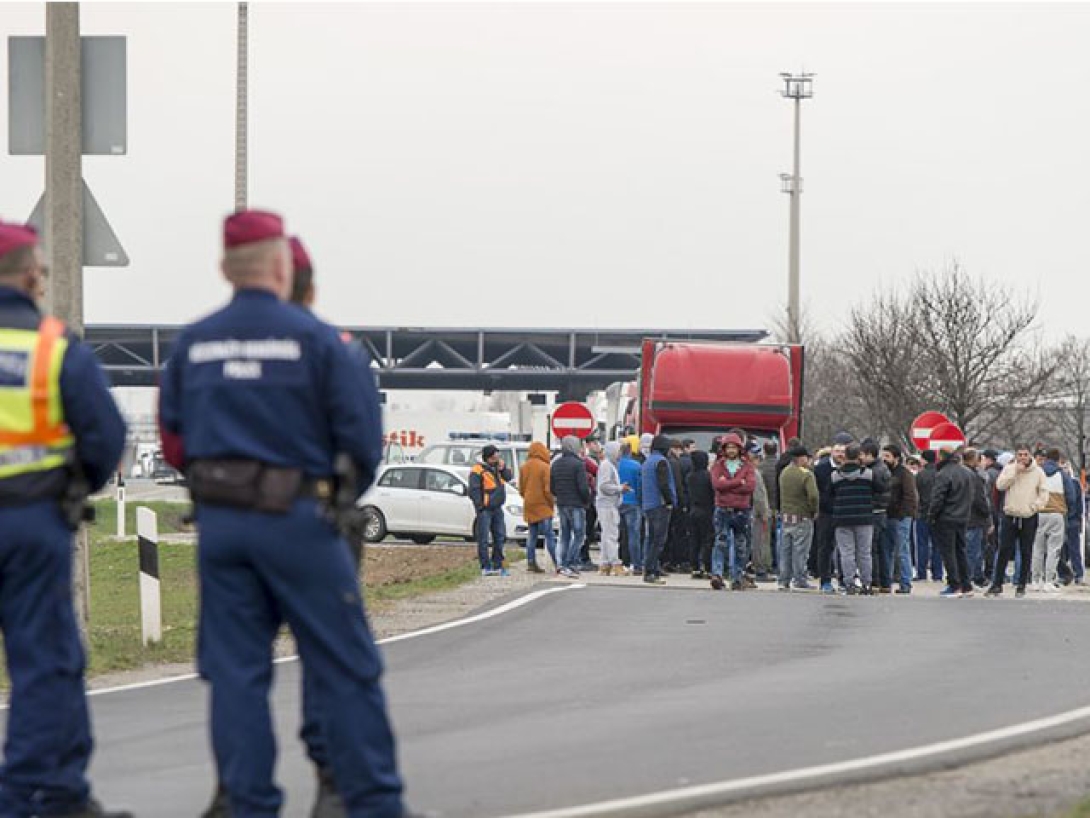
[(795, 519)]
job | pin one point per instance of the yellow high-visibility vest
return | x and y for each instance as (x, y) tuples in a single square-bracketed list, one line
[(33, 435)]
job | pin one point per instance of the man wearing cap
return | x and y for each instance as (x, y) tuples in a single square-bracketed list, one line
[(734, 480), (327, 803), (59, 427), (487, 482), (798, 495), (236, 381)]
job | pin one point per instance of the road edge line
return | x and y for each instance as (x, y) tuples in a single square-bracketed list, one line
[(899, 763), (454, 623)]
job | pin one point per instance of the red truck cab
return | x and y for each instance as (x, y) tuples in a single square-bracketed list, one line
[(699, 390)]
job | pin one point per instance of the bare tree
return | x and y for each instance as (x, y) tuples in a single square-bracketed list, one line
[(950, 342), (1070, 402), (974, 336)]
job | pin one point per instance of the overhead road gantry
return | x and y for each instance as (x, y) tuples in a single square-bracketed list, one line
[(570, 361)]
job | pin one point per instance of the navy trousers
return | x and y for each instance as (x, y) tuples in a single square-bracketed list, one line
[(257, 572), (49, 733)]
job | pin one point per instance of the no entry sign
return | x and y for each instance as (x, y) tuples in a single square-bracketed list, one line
[(573, 419), (946, 436), (920, 433)]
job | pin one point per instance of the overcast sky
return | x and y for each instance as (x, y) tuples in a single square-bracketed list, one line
[(594, 165)]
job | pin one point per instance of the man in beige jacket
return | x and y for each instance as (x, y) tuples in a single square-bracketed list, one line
[(1026, 493)]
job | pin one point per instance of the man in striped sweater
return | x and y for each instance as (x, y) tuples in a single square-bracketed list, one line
[(853, 492)]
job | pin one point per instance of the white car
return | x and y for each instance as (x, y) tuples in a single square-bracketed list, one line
[(465, 453), (423, 501)]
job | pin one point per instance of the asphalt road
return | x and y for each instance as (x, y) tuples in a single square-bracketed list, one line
[(602, 693)]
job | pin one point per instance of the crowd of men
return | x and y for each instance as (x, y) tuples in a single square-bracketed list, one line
[(854, 518)]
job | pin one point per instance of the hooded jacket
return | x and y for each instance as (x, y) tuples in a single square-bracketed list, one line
[(628, 469), (609, 481), (953, 492), (568, 476), (538, 502), (734, 491), (851, 487), (1025, 492), (701, 493), (1058, 493)]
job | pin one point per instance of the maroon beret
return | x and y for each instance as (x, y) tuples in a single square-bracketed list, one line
[(249, 226), (16, 237), (299, 258)]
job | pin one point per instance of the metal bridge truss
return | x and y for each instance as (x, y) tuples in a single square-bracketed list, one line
[(570, 361)]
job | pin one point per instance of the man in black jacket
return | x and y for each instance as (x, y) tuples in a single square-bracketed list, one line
[(487, 490), (980, 520), (948, 514), (903, 503), (883, 568), (675, 557), (568, 483), (825, 536), (927, 553), (701, 514)]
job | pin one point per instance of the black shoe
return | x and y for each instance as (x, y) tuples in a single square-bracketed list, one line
[(534, 568), (93, 809), (697, 575), (220, 806), (1020, 592), (736, 585), (995, 590), (327, 801), (717, 583)]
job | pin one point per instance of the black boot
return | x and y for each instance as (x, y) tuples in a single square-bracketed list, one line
[(220, 806), (327, 801)]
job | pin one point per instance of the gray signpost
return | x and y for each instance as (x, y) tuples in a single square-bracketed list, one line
[(103, 113)]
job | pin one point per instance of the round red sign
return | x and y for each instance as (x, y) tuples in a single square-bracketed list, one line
[(920, 433), (573, 419)]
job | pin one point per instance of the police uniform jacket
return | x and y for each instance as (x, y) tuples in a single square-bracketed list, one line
[(264, 381), (89, 410)]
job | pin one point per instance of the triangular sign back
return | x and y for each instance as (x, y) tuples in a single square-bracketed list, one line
[(101, 247)]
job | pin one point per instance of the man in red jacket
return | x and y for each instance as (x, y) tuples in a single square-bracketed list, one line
[(734, 480)]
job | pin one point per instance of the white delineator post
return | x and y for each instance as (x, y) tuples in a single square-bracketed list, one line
[(120, 505), (151, 618)]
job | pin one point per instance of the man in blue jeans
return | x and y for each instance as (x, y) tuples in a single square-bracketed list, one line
[(568, 483), (896, 549), (659, 497), (487, 481), (927, 553), (631, 515)]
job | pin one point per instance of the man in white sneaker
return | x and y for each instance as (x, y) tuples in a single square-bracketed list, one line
[(1051, 527)]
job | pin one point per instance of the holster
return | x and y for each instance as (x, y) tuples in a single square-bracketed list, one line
[(247, 484)]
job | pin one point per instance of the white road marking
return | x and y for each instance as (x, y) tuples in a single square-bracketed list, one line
[(621, 806), (457, 623)]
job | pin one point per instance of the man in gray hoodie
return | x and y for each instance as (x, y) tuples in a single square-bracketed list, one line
[(608, 506)]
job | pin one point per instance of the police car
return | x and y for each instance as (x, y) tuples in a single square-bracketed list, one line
[(422, 501)]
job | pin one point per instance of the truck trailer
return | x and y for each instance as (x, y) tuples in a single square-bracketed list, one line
[(699, 390)]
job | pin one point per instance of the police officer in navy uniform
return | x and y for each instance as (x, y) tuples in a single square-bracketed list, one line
[(327, 801), (61, 436), (257, 399)]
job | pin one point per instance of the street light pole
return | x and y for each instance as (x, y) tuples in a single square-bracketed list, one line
[(796, 87), (242, 78)]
